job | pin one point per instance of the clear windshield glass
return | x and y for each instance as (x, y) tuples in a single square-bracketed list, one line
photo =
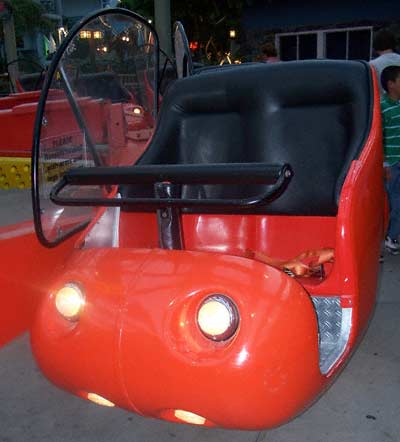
[(100, 111)]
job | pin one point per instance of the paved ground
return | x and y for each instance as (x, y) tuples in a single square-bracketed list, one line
[(363, 404), (15, 206)]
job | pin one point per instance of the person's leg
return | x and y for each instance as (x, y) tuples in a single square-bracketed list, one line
[(393, 190)]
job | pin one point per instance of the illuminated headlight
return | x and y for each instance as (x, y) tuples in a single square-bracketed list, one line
[(137, 111), (99, 400), (218, 317), (189, 417), (70, 301)]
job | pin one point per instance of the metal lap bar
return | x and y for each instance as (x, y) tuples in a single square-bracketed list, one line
[(277, 176), (169, 218), (167, 181)]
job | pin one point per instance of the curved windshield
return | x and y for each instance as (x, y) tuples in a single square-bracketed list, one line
[(100, 108), (183, 57)]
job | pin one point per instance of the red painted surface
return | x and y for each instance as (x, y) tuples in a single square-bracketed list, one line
[(137, 342), (106, 122), (279, 236), (16, 124), (26, 97), (138, 333), (361, 228)]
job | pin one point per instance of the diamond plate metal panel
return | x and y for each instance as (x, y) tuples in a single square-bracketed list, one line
[(334, 329)]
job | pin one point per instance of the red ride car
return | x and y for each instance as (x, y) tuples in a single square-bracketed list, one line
[(222, 273)]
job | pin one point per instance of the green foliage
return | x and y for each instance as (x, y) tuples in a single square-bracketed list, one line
[(142, 7), (28, 17), (210, 21), (203, 19)]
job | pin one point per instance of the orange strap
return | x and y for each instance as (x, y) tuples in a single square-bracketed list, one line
[(306, 264)]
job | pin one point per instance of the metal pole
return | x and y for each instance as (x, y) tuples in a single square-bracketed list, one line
[(59, 11), (162, 14), (59, 7), (10, 46)]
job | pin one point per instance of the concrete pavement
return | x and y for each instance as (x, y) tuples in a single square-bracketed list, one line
[(362, 405)]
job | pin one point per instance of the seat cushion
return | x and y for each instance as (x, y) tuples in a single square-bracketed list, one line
[(314, 115)]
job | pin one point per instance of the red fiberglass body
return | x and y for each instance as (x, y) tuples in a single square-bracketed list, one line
[(225, 277)]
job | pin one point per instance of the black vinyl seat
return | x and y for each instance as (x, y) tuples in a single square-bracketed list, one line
[(105, 85), (314, 115)]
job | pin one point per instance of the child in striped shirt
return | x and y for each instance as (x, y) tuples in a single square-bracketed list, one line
[(390, 106)]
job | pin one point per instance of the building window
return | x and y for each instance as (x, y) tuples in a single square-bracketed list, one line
[(288, 47), (345, 44), (298, 46), (307, 46)]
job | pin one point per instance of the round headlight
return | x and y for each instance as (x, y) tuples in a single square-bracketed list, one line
[(69, 301), (218, 317)]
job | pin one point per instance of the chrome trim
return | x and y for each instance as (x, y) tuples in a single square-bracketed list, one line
[(105, 233), (233, 316), (115, 229)]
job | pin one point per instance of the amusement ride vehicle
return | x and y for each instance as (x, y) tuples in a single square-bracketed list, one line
[(217, 263)]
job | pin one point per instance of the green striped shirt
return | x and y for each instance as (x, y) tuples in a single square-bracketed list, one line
[(391, 130)]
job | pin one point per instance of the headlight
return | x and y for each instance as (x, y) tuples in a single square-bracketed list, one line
[(99, 400), (189, 417), (69, 301), (218, 317)]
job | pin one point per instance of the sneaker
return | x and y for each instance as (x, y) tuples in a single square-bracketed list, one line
[(392, 246)]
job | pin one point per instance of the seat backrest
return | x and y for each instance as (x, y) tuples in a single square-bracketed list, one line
[(105, 85), (314, 115)]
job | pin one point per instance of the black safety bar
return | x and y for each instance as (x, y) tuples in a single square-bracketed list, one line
[(277, 176)]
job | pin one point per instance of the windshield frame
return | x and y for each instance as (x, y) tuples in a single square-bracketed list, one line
[(35, 190), (186, 61)]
